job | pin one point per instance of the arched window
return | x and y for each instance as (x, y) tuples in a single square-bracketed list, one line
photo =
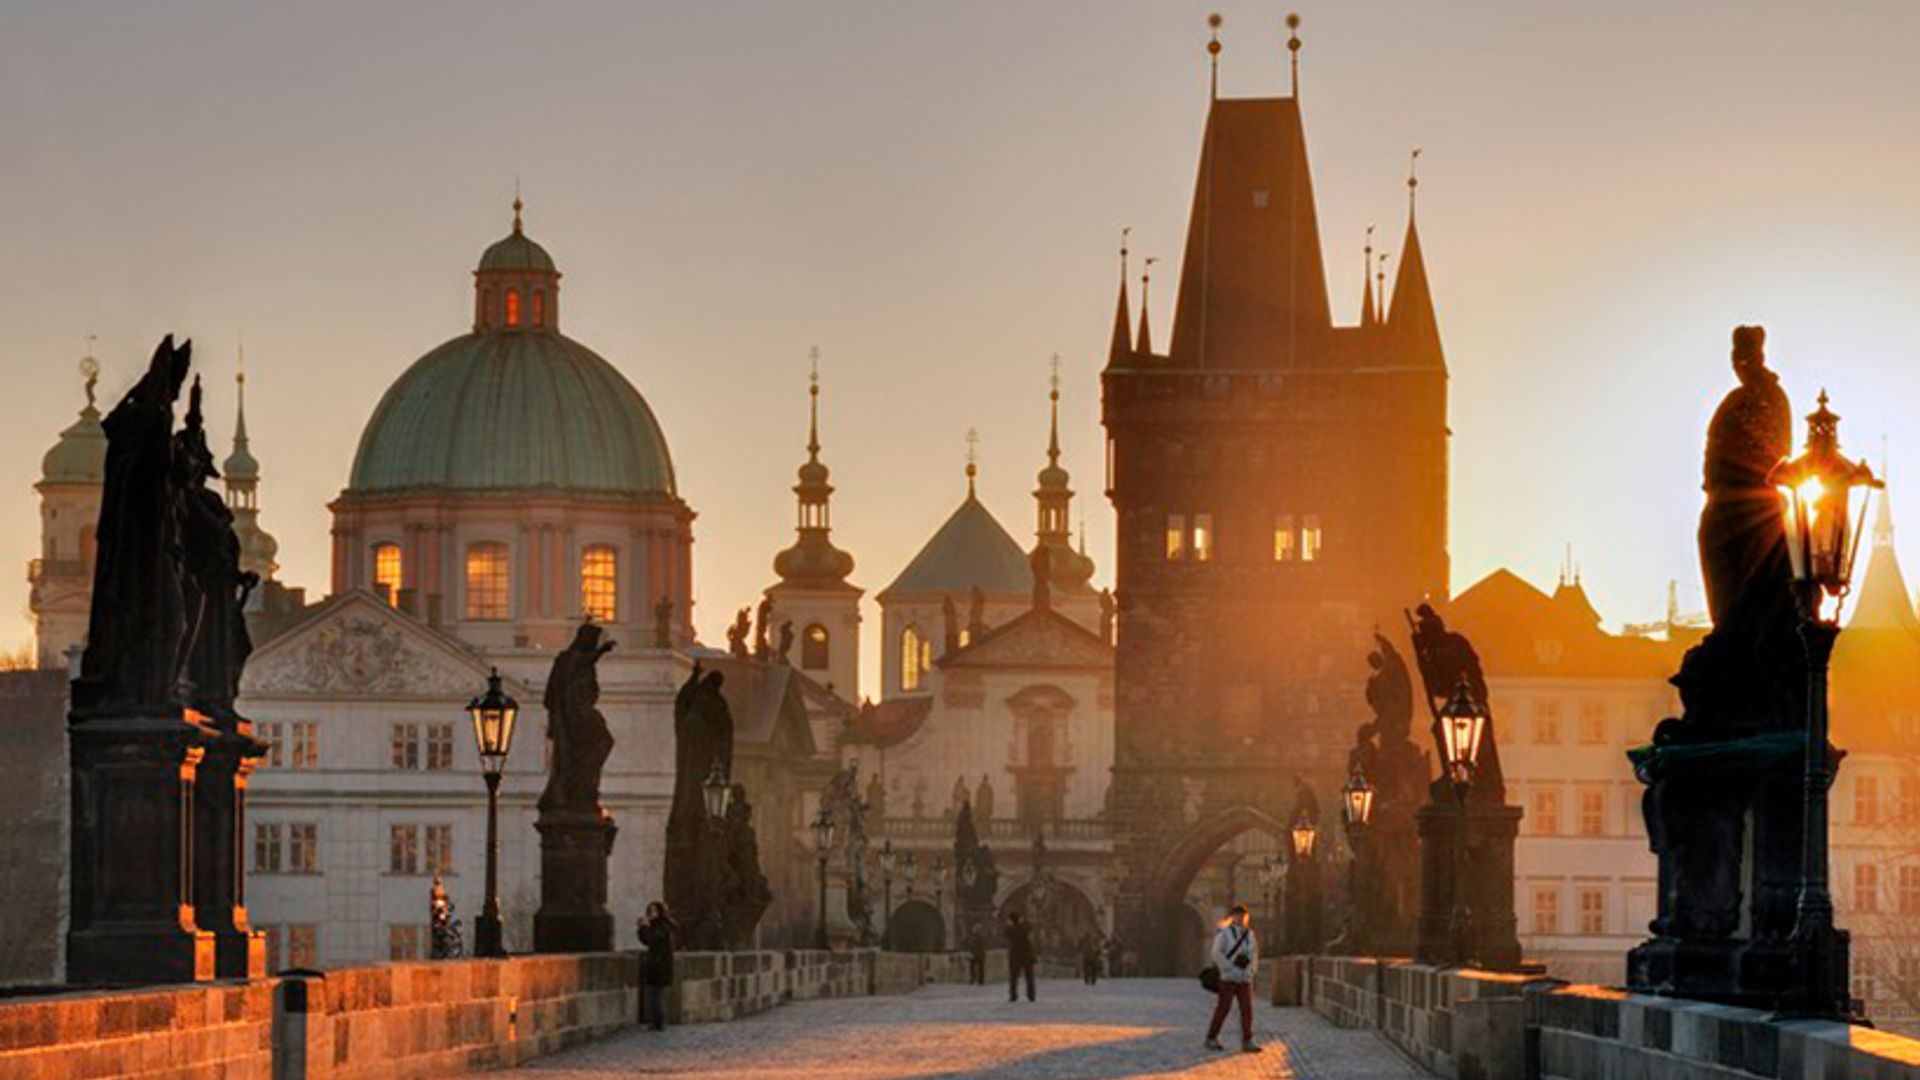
[(386, 571), (539, 308), (487, 572), (914, 649), (513, 307), (599, 580), (813, 648)]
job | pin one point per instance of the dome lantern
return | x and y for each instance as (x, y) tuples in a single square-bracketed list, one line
[(516, 286)]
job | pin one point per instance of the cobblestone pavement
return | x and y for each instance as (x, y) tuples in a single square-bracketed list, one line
[(1135, 1029)]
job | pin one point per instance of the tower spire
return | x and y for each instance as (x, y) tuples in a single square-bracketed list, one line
[(813, 405), (1380, 286), (973, 458), (1413, 182), (1122, 343), (813, 561), (1412, 320), (1213, 56), (1053, 404), (517, 204), (1367, 316), (1293, 50), (1144, 343)]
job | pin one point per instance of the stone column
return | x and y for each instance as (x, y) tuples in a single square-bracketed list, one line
[(219, 860), (133, 851), (573, 915)]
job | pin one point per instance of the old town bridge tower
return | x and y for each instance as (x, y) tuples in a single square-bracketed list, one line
[(1280, 488)]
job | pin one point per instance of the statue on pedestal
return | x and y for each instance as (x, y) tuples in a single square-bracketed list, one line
[(576, 835), (446, 943), (214, 588), (744, 893), (738, 633), (1384, 906), (703, 741), (950, 624)]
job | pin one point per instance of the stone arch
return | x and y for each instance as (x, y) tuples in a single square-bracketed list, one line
[(1167, 896), (917, 926), (1060, 916)]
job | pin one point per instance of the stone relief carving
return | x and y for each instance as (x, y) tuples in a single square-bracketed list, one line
[(358, 656)]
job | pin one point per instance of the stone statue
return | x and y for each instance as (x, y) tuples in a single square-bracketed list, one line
[(877, 798), (703, 739), (1384, 902), (976, 615), (1445, 658), (138, 618), (579, 733), (1106, 615), (738, 633), (781, 651), (919, 798), (214, 588), (950, 618), (983, 797), (979, 879), (663, 623), (744, 893), (959, 796), (446, 942), (762, 628)]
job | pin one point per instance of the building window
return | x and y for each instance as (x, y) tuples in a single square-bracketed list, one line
[(275, 939), (439, 849), (303, 848), (1593, 723), (1545, 814), (406, 746), (271, 732), (1866, 888), (1593, 910), (487, 581), (266, 848), (1310, 538), (1546, 723), (1908, 806), (813, 648), (386, 572), (303, 946), (403, 849), (1910, 890), (599, 583), (539, 308), (403, 941), (1176, 537), (1546, 909), (1283, 550), (1866, 800), (439, 747), (513, 307), (306, 745), (1593, 812), (915, 657), (1203, 538), (1039, 743)]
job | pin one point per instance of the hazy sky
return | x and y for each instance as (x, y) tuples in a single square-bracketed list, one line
[(933, 193)]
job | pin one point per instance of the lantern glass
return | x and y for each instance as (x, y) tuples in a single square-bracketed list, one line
[(1463, 724), (1304, 838), (823, 828), (1824, 501), (969, 873), (717, 793), (493, 714), (1357, 799)]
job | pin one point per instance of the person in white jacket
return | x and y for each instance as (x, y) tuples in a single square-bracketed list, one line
[(1236, 953)]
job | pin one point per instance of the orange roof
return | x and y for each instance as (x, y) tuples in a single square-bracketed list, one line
[(1520, 631)]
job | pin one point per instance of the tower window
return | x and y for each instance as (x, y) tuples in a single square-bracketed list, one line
[(1176, 537), (600, 582), (513, 307), (813, 648), (1283, 548), (1202, 537), (386, 572), (487, 581), (916, 656), (539, 308), (1310, 538)]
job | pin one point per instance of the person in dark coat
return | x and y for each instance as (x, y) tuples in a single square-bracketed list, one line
[(656, 964), (1090, 951), (1020, 957), (977, 957)]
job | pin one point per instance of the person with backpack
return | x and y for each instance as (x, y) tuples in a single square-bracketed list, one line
[(1020, 956), (1236, 960)]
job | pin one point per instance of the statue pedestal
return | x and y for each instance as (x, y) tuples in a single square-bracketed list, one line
[(573, 915), (1479, 880), (219, 844), (132, 851)]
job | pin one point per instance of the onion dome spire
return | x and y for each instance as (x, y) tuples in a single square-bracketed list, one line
[(1065, 569), (813, 561), (241, 474)]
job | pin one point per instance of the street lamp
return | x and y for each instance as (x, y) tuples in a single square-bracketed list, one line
[(1825, 497), (1463, 725), (718, 795), (1356, 802), (1356, 810), (823, 843), (886, 893), (1305, 837), (493, 714)]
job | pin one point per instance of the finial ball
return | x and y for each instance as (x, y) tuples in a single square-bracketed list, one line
[(1213, 47), (1214, 20), (1293, 20), (89, 367)]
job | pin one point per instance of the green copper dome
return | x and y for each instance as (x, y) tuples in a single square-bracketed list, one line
[(516, 252), (80, 457), (511, 411)]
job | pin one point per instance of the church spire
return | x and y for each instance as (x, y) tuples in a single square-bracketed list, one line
[(1064, 569), (1412, 320), (813, 561), (1367, 317), (241, 474), (1883, 602), (1122, 344), (1144, 343)]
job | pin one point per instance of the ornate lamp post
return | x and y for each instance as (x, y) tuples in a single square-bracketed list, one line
[(1272, 872), (493, 714), (1356, 810), (1463, 724), (1826, 499), (1303, 892), (886, 894), (1305, 838), (823, 826)]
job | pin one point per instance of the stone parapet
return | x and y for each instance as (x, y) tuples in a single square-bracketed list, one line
[(221, 1030)]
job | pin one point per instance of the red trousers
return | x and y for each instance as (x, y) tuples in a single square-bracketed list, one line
[(1231, 992)]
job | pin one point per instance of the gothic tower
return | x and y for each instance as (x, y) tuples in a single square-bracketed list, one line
[(1280, 489), (813, 592)]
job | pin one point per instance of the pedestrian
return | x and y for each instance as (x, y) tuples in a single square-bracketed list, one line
[(1115, 955), (1090, 958), (977, 956), (1019, 957), (1236, 955), (656, 964)]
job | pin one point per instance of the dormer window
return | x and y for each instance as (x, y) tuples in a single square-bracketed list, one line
[(513, 307)]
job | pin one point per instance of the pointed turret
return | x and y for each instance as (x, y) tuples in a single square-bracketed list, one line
[(1883, 600), (241, 472), (813, 562), (1143, 343), (1415, 328), (1122, 344), (1367, 316), (1067, 571)]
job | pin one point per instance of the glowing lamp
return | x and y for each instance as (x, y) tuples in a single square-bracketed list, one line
[(1356, 800), (1463, 724), (1825, 498), (1305, 836), (493, 715)]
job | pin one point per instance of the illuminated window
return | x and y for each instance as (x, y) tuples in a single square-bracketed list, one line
[(513, 307), (1593, 812), (303, 946), (599, 583), (1910, 890), (1593, 723), (539, 308), (303, 849), (487, 581), (1310, 538), (1283, 538), (406, 746), (1176, 537), (1202, 537), (1546, 909), (386, 571), (403, 941), (439, 849), (266, 848), (271, 732), (306, 745), (1866, 800), (1593, 910), (1546, 723), (439, 747), (813, 648), (1545, 814), (403, 849), (915, 657), (1866, 888)]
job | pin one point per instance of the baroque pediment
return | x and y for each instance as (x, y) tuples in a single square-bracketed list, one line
[(1043, 640), (361, 648)]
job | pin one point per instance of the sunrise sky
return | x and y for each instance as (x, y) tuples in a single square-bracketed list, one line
[(933, 194)]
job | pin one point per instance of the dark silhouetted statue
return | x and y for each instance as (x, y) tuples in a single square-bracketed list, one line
[(703, 741), (579, 734), (214, 588), (950, 624), (738, 633), (1383, 908), (576, 835), (744, 893)]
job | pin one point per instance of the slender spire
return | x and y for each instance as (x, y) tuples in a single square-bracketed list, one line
[(90, 372), (1293, 50), (1380, 286), (1413, 181), (1412, 319), (973, 458), (240, 396), (517, 205), (1367, 317), (1122, 343), (813, 405), (1053, 420), (1144, 343), (813, 561), (1213, 56)]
